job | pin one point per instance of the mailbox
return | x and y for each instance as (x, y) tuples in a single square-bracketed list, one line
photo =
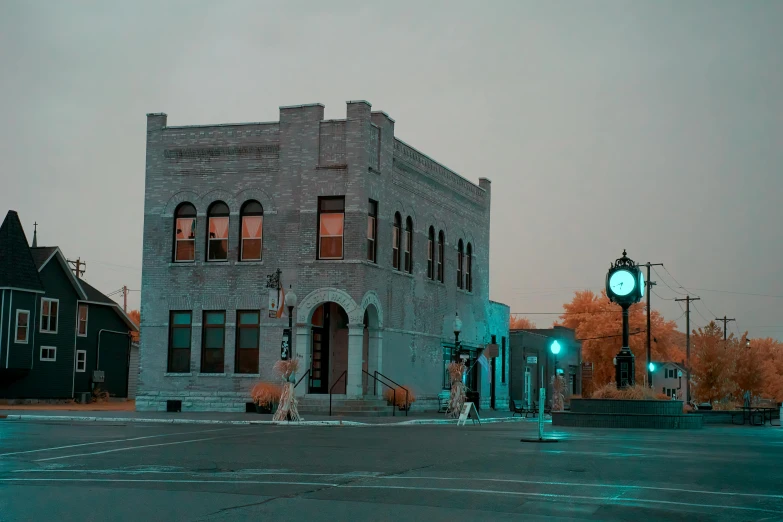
[(97, 376)]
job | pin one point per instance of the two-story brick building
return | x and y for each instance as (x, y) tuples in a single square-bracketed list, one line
[(383, 246)]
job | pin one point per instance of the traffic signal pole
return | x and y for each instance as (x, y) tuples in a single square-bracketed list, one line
[(650, 284)]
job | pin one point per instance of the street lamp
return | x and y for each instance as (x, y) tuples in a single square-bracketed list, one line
[(747, 343), (290, 302), (457, 329)]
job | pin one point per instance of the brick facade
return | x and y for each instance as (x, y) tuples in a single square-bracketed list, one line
[(286, 166)]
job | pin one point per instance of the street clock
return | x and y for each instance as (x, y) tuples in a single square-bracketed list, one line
[(624, 282)]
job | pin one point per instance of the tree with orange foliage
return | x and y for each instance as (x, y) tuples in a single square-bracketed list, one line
[(748, 366), (713, 363), (521, 323), (135, 316), (773, 367), (599, 324)]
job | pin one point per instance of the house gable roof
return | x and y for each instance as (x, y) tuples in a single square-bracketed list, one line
[(95, 296), (40, 254), (17, 267)]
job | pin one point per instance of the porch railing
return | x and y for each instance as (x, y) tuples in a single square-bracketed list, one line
[(332, 388), (392, 388)]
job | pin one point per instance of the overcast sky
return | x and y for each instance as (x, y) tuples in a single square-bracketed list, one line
[(655, 126)]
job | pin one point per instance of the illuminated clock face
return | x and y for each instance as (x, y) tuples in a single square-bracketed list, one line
[(622, 282), (641, 283)]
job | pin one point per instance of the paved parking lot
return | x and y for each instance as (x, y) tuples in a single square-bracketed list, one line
[(100, 472)]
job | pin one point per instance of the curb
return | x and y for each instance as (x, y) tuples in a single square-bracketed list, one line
[(74, 418)]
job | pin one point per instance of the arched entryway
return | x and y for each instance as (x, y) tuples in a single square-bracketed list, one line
[(329, 333), (372, 345)]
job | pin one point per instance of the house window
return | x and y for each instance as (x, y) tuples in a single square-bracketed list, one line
[(502, 359), (441, 251), (396, 232), (81, 321), (48, 353), (252, 226), (81, 360), (179, 342), (22, 330), (185, 233), (372, 231), (469, 269), (217, 232), (247, 342), (431, 253), (331, 222), (49, 315), (213, 342), (409, 245), (460, 260)]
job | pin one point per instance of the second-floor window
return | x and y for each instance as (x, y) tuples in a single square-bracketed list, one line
[(49, 315), (331, 224), (441, 252), (460, 261), (185, 233), (81, 321), (396, 233), (217, 232), (252, 217), (22, 329), (409, 245), (431, 253), (469, 269), (372, 231)]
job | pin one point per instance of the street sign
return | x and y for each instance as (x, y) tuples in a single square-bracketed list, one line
[(532, 359)]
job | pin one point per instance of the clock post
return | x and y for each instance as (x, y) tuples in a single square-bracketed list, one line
[(624, 286)]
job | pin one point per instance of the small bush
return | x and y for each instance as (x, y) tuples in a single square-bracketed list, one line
[(399, 398), (99, 395), (266, 393), (632, 393)]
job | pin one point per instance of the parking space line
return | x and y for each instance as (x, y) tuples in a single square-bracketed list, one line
[(110, 441), (170, 481), (132, 448)]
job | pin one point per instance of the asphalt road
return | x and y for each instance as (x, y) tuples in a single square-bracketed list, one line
[(109, 472)]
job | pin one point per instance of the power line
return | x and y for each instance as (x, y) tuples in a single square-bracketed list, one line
[(675, 280), (568, 313), (608, 336), (659, 297), (739, 293)]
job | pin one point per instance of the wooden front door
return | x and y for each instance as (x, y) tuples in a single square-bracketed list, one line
[(319, 374)]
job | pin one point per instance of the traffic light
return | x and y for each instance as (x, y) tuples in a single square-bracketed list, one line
[(555, 347), (651, 366)]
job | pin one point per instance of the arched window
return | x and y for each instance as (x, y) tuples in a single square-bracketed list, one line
[(469, 269), (185, 233), (409, 245), (396, 241), (460, 261), (441, 252), (431, 253), (217, 232), (251, 231)]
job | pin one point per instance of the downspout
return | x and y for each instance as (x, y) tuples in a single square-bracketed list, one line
[(2, 311), (33, 323), (8, 335)]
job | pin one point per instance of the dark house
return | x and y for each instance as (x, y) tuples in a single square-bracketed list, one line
[(531, 358), (55, 329)]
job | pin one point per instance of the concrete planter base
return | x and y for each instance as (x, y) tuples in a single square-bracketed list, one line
[(613, 413)]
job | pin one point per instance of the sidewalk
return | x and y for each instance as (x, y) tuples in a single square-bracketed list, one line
[(83, 414)]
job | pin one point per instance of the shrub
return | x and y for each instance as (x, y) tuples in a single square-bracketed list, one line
[(266, 393), (99, 394), (632, 393), (399, 398)]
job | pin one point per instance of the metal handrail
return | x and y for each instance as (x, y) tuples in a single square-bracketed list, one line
[(407, 404), (303, 376), (332, 388), (392, 388)]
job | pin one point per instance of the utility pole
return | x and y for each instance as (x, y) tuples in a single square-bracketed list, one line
[(78, 267), (125, 299), (688, 300), (724, 327), (650, 284)]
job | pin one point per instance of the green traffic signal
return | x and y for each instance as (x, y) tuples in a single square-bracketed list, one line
[(652, 367), (555, 347)]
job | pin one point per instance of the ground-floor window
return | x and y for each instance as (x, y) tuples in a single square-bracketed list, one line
[(81, 360), (247, 341), (213, 341), (48, 353), (180, 324)]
